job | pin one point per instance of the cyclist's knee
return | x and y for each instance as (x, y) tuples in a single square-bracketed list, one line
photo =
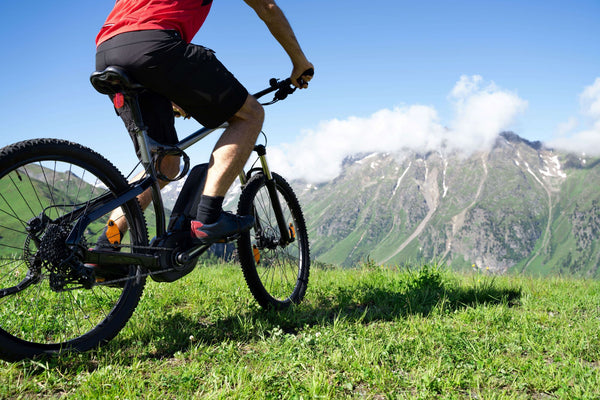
[(251, 112)]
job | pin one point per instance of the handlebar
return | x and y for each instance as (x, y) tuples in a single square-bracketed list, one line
[(282, 88)]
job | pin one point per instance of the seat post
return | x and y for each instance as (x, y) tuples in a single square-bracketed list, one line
[(115, 82), (141, 134)]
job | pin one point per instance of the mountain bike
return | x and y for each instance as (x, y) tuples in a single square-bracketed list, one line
[(58, 294)]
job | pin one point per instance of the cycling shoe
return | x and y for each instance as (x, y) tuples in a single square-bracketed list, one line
[(226, 228)]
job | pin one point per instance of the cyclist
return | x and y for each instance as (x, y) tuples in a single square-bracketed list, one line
[(151, 40)]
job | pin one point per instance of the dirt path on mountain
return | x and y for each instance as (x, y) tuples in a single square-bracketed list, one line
[(432, 197), (459, 219), (548, 232)]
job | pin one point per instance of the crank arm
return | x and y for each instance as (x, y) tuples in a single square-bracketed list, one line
[(190, 254)]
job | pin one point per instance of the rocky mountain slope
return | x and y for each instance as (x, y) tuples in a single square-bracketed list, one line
[(519, 206)]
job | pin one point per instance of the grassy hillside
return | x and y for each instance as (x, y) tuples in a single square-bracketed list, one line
[(366, 332), (572, 248)]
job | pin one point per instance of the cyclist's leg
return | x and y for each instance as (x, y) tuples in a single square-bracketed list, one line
[(233, 148), (193, 78), (227, 160), (201, 85), (157, 113)]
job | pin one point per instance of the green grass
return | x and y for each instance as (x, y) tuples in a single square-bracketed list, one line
[(369, 332)]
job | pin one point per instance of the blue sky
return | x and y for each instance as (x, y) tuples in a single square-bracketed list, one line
[(523, 65)]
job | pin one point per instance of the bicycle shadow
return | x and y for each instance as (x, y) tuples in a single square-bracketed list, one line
[(362, 303)]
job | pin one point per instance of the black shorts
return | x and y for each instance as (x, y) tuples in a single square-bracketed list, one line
[(173, 70)]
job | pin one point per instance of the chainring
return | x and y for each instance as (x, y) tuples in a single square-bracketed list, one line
[(169, 246)]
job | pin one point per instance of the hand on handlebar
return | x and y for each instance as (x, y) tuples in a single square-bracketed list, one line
[(285, 87), (301, 75)]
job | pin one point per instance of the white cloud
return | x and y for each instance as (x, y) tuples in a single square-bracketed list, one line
[(318, 154), (482, 111), (586, 140), (567, 127), (590, 100)]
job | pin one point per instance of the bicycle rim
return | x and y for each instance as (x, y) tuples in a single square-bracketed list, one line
[(49, 313), (276, 274)]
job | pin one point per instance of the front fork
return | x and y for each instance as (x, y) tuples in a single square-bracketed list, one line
[(261, 150)]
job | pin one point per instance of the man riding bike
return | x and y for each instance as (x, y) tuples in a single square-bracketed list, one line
[(151, 40)]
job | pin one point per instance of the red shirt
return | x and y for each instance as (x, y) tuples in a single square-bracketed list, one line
[(184, 16)]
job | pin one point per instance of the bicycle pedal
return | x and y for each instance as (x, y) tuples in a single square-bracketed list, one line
[(229, 238)]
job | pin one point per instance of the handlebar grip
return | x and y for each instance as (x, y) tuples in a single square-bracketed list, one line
[(308, 72)]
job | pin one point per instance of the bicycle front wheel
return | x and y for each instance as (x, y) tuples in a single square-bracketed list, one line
[(43, 308), (276, 273)]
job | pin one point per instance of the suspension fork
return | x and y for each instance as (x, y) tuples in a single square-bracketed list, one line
[(261, 150)]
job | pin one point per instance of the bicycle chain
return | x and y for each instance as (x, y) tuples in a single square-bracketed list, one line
[(115, 281), (120, 246)]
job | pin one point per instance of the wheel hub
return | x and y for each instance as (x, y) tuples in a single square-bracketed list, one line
[(61, 262), (268, 239)]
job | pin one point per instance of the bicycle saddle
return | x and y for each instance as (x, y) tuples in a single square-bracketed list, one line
[(114, 80)]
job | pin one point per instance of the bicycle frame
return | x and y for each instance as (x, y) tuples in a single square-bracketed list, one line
[(148, 147)]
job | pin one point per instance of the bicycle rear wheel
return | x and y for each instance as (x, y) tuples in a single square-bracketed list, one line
[(276, 274), (43, 310)]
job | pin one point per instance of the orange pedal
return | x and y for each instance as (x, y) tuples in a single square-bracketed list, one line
[(112, 232)]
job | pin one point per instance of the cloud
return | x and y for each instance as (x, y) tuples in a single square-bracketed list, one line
[(482, 110), (586, 140), (318, 154), (590, 100), (567, 127)]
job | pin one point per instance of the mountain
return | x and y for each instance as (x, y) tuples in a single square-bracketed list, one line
[(517, 207)]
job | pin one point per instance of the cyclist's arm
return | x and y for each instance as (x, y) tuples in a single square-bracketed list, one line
[(281, 30)]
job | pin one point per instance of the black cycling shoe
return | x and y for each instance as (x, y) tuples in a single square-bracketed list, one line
[(226, 228)]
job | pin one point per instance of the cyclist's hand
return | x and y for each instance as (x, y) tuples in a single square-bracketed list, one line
[(302, 74)]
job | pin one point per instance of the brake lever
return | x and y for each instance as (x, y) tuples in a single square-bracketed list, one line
[(283, 92)]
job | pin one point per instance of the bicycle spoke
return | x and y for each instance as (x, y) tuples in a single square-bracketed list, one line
[(6, 275), (12, 214), (21, 194), (278, 268), (49, 307)]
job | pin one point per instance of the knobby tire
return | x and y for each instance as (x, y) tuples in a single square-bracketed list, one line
[(276, 274), (55, 177)]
